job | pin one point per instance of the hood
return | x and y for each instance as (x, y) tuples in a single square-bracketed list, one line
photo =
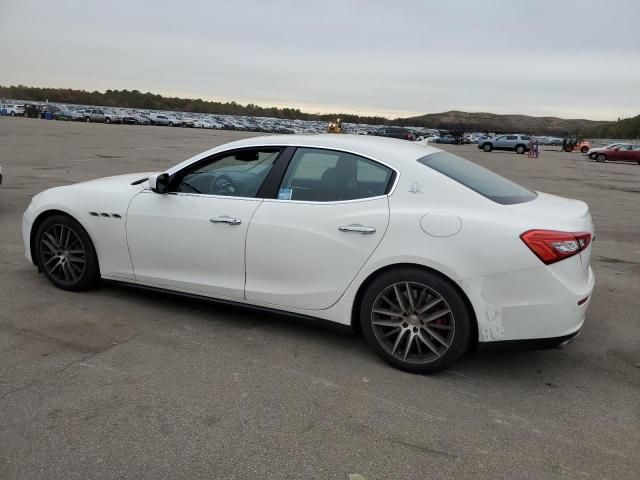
[(119, 180)]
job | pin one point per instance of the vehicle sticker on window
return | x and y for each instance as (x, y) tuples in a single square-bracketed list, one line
[(285, 193)]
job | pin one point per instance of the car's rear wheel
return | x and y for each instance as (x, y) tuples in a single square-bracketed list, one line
[(87, 119), (520, 149), (66, 254), (584, 149), (415, 320), (107, 120), (601, 157), (487, 147)]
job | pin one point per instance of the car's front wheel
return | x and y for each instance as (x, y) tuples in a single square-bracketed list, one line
[(601, 157), (487, 147), (415, 320), (66, 254), (584, 149)]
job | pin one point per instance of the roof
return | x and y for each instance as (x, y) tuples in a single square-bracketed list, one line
[(394, 152), (382, 148)]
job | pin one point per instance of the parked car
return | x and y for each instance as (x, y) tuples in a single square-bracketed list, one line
[(447, 139), (620, 153), (592, 152), (395, 132), (186, 122), (517, 143), (422, 287), (159, 119), (69, 115), (133, 118), (94, 115), (31, 110), (112, 117), (14, 110)]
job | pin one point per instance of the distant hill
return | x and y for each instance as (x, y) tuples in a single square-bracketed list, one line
[(453, 120), (491, 122), (627, 128)]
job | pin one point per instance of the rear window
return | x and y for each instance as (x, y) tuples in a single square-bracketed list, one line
[(479, 179)]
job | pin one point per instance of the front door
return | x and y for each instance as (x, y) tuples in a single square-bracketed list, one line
[(305, 247), (193, 238)]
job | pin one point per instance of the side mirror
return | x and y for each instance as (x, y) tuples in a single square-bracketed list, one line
[(159, 182)]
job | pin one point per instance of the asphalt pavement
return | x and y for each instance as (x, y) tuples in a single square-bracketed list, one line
[(123, 383)]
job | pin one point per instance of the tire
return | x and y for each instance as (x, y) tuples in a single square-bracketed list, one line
[(107, 120), (487, 147), (584, 149), (520, 149), (601, 157), (171, 124), (66, 255), (13, 114), (87, 119), (409, 342)]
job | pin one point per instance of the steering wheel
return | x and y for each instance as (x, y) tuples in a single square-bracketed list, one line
[(224, 185)]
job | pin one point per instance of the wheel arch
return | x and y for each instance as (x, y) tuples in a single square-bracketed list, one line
[(42, 216), (355, 310)]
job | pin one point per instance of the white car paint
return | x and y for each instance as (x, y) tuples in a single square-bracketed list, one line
[(291, 255)]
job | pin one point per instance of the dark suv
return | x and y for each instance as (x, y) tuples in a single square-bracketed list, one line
[(395, 132)]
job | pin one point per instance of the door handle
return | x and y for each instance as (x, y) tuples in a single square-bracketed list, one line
[(226, 219), (357, 228)]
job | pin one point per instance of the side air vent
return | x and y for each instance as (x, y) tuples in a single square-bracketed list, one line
[(94, 214), (103, 214), (115, 215)]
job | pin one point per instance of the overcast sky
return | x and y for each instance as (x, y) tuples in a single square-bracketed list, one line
[(574, 59)]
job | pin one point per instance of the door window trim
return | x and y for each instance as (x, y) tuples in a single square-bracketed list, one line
[(285, 157)]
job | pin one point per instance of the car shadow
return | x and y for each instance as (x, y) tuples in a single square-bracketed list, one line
[(306, 329)]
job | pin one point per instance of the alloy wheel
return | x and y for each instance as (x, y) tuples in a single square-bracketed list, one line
[(63, 254), (413, 322)]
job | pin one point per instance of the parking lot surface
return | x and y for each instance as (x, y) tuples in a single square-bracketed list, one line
[(123, 383)]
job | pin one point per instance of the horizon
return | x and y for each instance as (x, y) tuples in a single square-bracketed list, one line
[(337, 113), (365, 58)]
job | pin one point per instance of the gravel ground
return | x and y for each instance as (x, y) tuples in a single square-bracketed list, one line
[(119, 383)]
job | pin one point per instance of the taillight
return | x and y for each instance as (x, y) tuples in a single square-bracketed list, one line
[(551, 246)]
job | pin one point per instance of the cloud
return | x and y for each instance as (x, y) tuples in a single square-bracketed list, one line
[(537, 57)]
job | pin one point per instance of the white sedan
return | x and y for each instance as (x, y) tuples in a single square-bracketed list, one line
[(426, 252)]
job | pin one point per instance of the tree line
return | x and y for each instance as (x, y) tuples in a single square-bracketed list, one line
[(152, 101)]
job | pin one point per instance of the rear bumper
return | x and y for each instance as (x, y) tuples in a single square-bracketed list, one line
[(532, 304), (530, 344)]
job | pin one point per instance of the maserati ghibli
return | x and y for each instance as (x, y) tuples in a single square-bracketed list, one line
[(428, 254)]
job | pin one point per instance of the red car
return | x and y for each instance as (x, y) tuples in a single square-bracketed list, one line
[(621, 153)]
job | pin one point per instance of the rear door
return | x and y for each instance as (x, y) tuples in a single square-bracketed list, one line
[(307, 245)]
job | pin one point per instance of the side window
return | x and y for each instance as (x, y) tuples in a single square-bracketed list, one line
[(512, 137), (239, 174), (499, 139), (525, 137), (328, 176)]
